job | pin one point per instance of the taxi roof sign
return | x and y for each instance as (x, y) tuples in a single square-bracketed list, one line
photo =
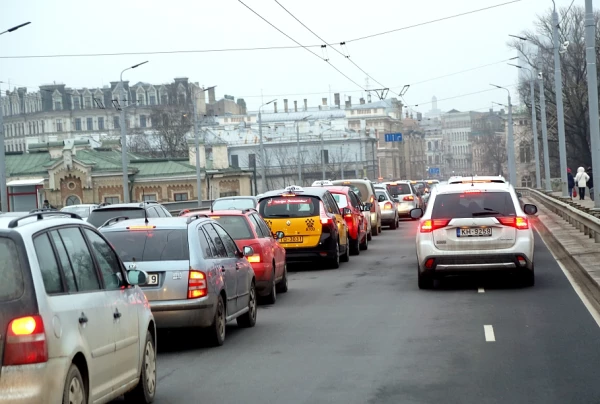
[(323, 183), (294, 189)]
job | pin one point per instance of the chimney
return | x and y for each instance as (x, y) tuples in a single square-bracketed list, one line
[(305, 105), (362, 100), (285, 105), (295, 106), (349, 102), (324, 100), (336, 98), (211, 96), (275, 106)]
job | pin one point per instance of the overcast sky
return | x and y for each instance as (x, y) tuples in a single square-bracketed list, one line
[(395, 59)]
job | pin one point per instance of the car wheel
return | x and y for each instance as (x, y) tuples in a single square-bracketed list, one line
[(365, 244), (346, 256), (355, 247), (74, 391), (394, 224), (271, 298), (374, 231), (282, 286), (528, 278), (217, 329), (146, 388), (334, 263), (248, 319), (425, 280), (370, 235)]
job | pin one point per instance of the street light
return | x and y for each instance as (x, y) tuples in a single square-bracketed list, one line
[(263, 174), (502, 105), (124, 159), (298, 145), (197, 144), (532, 76), (510, 142), (3, 190)]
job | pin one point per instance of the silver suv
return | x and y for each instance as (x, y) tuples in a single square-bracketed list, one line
[(197, 276), (73, 325)]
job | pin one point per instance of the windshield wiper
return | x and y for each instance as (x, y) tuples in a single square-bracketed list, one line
[(278, 216), (486, 212)]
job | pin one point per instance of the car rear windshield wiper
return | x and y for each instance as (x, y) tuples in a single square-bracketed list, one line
[(278, 216), (485, 213)]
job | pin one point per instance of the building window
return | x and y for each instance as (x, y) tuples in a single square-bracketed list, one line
[(116, 123), (153, 99), (225, 194), (164, 99), (140, 99), (77, 123), (88, 102), (43, 126), (90, 124), (325, 156), (525, 154), (57, 105), (101, 123), (234, 161), (73, 200), (142, 121), (111, 199), (59, 125), (150, 198), (252, 160), (180, 196), (76, 103)]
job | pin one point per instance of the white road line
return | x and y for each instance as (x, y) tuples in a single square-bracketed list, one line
[(481, 290), (489, 333)]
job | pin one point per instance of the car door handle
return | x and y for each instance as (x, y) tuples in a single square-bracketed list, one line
[(116, 314), (83, 319), (223, 269)]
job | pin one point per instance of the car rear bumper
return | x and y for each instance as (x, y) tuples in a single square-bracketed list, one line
[(36, 384), (262, 271), (184, 313), (454, 264), (324, 250), (388, 216)]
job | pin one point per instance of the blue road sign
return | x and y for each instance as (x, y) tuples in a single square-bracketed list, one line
[(434, 171), (393, 137)]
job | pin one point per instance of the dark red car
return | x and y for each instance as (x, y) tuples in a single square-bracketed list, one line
[(351, 208), (247, 228)]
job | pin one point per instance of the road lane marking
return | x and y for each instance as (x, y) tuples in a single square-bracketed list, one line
[(480, 290), (489, 333)]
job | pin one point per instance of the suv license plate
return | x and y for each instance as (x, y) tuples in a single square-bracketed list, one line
[(292, 239), (152, 280), (474, 232)]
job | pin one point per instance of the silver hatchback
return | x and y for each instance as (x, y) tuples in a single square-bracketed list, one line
[(197, 276)]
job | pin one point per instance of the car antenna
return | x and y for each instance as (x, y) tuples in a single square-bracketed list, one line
[(472, 181)]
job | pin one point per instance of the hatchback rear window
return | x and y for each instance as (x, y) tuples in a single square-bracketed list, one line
[(11, 275), (289, 206), (98, 217), (398, 189), (473, 204), (153, 245), (242, 203), (236, 226)]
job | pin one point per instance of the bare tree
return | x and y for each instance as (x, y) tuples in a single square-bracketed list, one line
[(171, 125), (494, 152)]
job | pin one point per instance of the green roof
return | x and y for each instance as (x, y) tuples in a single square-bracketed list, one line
[(27, 164), (163, 167)]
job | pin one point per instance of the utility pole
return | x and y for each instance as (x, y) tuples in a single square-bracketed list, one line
[(197, 144), (299, 154), (592, 81), (510, 142), (263, 169), (322, 155), (562, 148), (548, 185)]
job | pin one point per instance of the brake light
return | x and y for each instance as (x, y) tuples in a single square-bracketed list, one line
[(254, 258), (388, 206), (325, 219), (472, 191), (141, 227), (429, 225), (196, 284), (520, 223), (25, 342), (372, 201), (408, 198)]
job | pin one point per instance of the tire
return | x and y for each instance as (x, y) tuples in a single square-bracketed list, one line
[(346, 256), (374, 231), (334, 263), (145, 390), (282, 286), (271, 298), (528, 278), (248, 319), (394, 224), (74, 390), (365, 244), (355, 247), (425, 280), (370, 235), (216, 332)]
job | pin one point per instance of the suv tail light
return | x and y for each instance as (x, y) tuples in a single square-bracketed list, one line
[(197, 285), (429, 225), (519, 223), (325, 219), (388, 206), (408, 198), (25, 342), (372, 202)]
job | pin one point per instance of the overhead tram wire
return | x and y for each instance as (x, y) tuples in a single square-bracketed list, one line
[(326, 61), (459, 96), (251, 48)]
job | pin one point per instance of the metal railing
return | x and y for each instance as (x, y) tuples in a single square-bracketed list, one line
[(585, 222)]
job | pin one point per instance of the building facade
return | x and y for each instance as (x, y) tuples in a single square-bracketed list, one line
[(456, 133)]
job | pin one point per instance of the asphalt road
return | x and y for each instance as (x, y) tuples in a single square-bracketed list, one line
[(364, 333)]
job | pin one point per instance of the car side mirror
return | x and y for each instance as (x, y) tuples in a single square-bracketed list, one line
[(367, 207), (279, 235), (381, 198), (519, 195), (346, 211), (396, 199), (136, 277), (248, 251), (530, 209), (416, 213)]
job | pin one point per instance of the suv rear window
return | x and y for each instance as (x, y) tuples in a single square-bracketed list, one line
[(153, 245), (398, 189), (236, 226), (11, 275), (241, 204), (476, 204), (289, 206), (98, 217), (359, 189)]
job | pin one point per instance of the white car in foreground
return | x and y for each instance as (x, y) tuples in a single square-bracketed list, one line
[(474, 227)]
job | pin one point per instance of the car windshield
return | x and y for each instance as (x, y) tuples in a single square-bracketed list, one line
[(341, 199), (398, 189), (11, 275), (82, 211), (153, 245), (241, 203), (473, 204), (289, 206), (99, 216), (236, 226)]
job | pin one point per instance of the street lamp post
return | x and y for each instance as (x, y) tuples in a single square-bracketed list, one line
[(261, 145), (590, 54), (124, 157), (562, 147), (3, 190), (510, 142), (533, 124), (298, 146), (197, 145)]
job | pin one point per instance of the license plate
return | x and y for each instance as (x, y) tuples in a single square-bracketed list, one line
[(152, 280), (474, 232), (292, 239)]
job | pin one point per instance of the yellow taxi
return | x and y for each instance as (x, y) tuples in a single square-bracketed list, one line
[(311, 222)]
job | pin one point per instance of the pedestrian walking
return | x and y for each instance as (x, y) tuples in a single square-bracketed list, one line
[(590, 183), (581, 179), (570, 182)]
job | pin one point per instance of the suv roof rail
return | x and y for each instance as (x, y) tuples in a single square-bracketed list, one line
[(43, 210), (148, 203), (196, 217), (103, 204), (40, 215), (114, 220)]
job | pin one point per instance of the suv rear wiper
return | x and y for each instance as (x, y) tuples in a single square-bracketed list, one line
[(278, 216), (485, 213)]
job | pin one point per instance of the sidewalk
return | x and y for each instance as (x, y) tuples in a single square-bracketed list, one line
[(586, 205)]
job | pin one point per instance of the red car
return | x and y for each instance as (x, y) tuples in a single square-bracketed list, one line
[(351, 208), (247, 228)]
